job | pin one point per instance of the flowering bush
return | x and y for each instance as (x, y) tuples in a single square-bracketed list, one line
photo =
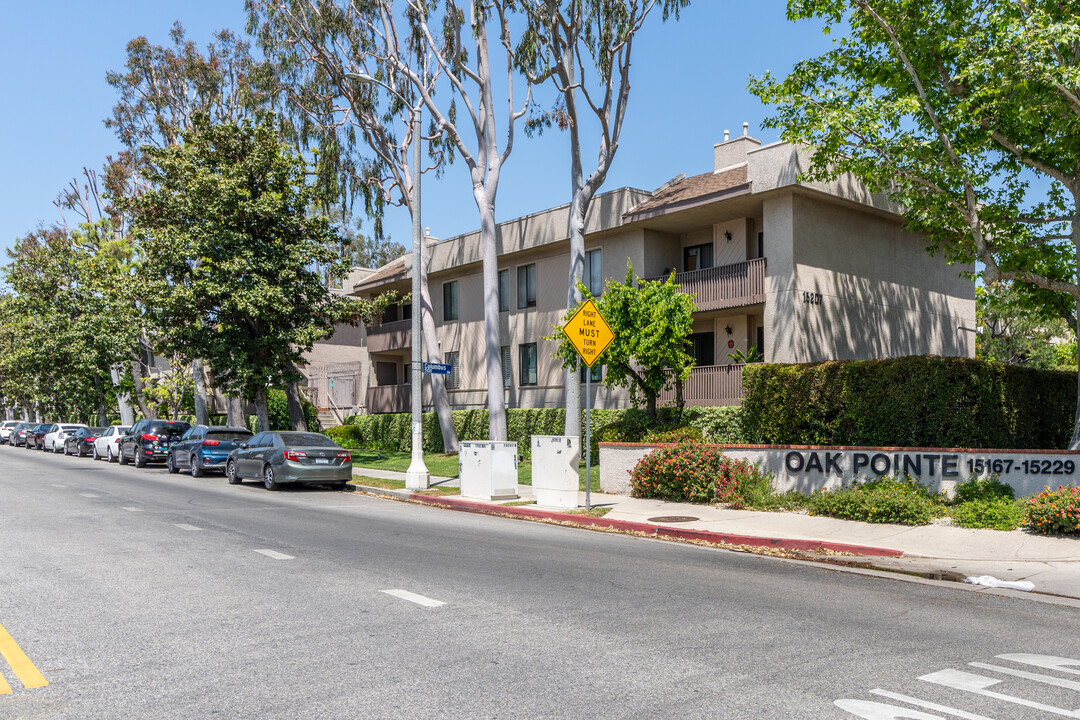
[(683, 473), (1055, 511), (740, 483), (988, 488)]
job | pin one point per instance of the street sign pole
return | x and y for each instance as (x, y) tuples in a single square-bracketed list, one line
[(588, 437)]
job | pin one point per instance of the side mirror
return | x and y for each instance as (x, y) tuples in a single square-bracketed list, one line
[(243, 446)]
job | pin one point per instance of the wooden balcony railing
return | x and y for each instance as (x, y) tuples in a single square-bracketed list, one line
[(390, 336), (727, 286), (389, 398), (709, 385)]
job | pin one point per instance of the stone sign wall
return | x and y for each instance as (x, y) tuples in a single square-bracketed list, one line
[(809, 468)]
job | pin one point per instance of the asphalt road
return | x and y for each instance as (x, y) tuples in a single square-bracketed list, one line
[(139, 594)]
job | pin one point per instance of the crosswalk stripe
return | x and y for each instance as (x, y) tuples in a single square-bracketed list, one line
[(414, 598), (20, 664)]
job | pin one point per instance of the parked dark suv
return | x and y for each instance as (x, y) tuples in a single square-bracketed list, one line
[(149, 441), (205, 448)]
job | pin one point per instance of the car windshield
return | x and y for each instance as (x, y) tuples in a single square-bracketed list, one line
[(307, 440), (94, 431), (226, 435), (70, 427)]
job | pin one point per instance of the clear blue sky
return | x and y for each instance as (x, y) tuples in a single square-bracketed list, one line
[(689, 84)]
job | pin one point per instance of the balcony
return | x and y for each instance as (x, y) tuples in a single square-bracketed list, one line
[(727, 286), (390, 336), (389, 398), (709, 385)]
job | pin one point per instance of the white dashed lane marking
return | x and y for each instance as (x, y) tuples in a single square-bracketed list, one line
[(190, 528), (414, 598), (275, 554), (89, 495), (131, 509)]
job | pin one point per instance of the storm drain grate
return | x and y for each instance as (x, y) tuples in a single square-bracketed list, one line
[(673, 519)]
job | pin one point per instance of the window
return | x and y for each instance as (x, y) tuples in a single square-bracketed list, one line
[(527, 364), (506, 369), (504, 290), (527, 286), (593, 276), (390, 314), (449, 301), (697, 257), (406, 311), (702, 348), (407, 380), (761, 341), (453, 380), (596, 371), (761, 244)]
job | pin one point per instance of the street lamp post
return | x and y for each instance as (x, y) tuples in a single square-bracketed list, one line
[(417, 476)]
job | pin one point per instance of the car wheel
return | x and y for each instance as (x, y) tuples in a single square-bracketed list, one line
[(55, 449), (121, 457), (80, 452), (268, 478), (170, 464), (94, 452), (230, 473), (340, 486), (195, 466), (140, 461)]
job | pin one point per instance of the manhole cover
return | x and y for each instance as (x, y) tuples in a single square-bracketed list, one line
[(673, 519)]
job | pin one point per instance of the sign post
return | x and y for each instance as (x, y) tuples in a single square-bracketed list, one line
[(589, 334)]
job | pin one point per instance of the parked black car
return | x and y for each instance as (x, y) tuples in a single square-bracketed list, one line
[(149, 441), (19, 432), (35, 436), (81, 442), (204, 448)]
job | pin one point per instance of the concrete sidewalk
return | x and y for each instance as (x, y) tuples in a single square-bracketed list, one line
[(937, 551)]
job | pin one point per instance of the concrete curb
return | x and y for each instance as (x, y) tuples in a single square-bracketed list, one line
[(534, 513)]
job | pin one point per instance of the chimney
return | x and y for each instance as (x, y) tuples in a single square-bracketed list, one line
[(732, 152)]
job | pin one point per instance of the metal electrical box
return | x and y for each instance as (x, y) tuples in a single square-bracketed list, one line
[(555, 460), (488, 470)]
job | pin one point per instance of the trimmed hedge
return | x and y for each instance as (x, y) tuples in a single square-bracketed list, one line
[(914, 401), (391, 431)]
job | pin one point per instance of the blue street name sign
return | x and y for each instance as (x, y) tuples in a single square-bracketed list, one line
[(437, 368)]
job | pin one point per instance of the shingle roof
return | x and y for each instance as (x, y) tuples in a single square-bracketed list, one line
[(697, 187), (390, 271)]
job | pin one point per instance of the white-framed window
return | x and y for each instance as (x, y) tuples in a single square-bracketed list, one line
[(507, 371), (526, 277), (504, 290), (593, 277), (527, 364), (453, 380), (449, 300)]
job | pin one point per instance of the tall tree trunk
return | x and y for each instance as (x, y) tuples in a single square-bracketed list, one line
[(149, 411), (1074, 444), (262, 411), (440, 398), (102, 413), (202, 417), (492, 347), (234, 410), (297, 419), (123, 400)]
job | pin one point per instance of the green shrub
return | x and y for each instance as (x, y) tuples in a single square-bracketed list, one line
[(741, 483), (676, 434), (989, 488), (1055, 511), (680, 473), (912, 401), (277, 407), (996, 514), (347, 436), (882, 500)]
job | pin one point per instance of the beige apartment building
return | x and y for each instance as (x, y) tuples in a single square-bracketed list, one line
[(804, 272)]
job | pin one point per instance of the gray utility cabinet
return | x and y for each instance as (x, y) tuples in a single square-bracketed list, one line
[(488, 470), (555, 470)]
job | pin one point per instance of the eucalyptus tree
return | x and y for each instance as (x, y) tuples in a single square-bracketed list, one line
[(437, 56), (583, 49), (363, 135), (966, 114), (229, 244)]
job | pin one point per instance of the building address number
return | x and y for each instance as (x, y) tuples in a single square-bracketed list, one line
[(811, 298)]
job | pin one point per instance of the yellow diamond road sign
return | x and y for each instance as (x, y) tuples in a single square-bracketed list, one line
[(588, 332)]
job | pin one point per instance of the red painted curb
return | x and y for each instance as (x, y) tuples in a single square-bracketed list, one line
[(658, 530)]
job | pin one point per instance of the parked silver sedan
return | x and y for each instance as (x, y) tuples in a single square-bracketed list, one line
[(280, 457)]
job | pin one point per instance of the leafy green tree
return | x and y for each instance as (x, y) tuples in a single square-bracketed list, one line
[(582, 48), (1011, 331), (651, 322), (229, 244), (966, 114)]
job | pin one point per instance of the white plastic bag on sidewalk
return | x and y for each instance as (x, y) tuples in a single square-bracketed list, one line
[(991, 581)]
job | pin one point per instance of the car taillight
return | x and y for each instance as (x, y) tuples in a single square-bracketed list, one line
[(294, 455), (345, 456), (211, 442), (151, 438), (90, 439)]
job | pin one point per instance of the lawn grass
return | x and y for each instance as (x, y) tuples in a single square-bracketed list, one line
[(446, 465)]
